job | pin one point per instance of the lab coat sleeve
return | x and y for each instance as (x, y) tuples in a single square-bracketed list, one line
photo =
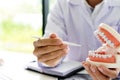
[(56, 22)]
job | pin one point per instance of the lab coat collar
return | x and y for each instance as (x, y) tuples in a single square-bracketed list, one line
[(75, 2)]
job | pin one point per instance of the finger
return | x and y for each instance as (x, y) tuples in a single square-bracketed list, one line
[(46, 42), (97, 73), (53, 62), (87, 67), (52, 55), (54, 36), (108, 72), (48, 49)]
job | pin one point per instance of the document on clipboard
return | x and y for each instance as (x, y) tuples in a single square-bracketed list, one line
[(65, 69)]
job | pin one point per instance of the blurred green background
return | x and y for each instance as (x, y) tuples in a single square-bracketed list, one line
[(19, 21)]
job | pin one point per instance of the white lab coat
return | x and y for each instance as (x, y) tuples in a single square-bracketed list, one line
[(72, 21)]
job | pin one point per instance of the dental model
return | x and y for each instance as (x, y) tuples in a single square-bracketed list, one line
[(109, 53)]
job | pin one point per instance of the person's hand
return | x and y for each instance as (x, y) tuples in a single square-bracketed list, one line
[(50, 50), (1, 61), (100, 72)]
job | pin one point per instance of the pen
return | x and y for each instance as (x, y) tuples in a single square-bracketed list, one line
[(68, 43)]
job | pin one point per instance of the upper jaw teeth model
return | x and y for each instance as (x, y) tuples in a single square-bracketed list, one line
[(109, 53)]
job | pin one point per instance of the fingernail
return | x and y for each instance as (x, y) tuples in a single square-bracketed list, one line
[(100, 69), (62, 46), (86, 67)]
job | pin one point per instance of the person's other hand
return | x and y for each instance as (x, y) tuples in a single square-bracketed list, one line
[(50, 50), (100, 72)]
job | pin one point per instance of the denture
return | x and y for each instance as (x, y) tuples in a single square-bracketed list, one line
[(109, 53)]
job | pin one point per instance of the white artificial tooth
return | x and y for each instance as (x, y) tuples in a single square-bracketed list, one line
[(90, 53), (112, 44), (99, 55), (109, 55), (105, 38), (98, 32), (102, 34), (108, 42), (96, 55), (104, 56), (93, 55)]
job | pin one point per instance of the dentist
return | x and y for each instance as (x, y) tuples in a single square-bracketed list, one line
[(75, 21)]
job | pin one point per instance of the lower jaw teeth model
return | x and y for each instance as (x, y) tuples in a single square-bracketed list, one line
[(109, 53)]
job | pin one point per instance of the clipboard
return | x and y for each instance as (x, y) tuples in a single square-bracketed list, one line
[(78, 76), (63, 70)]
